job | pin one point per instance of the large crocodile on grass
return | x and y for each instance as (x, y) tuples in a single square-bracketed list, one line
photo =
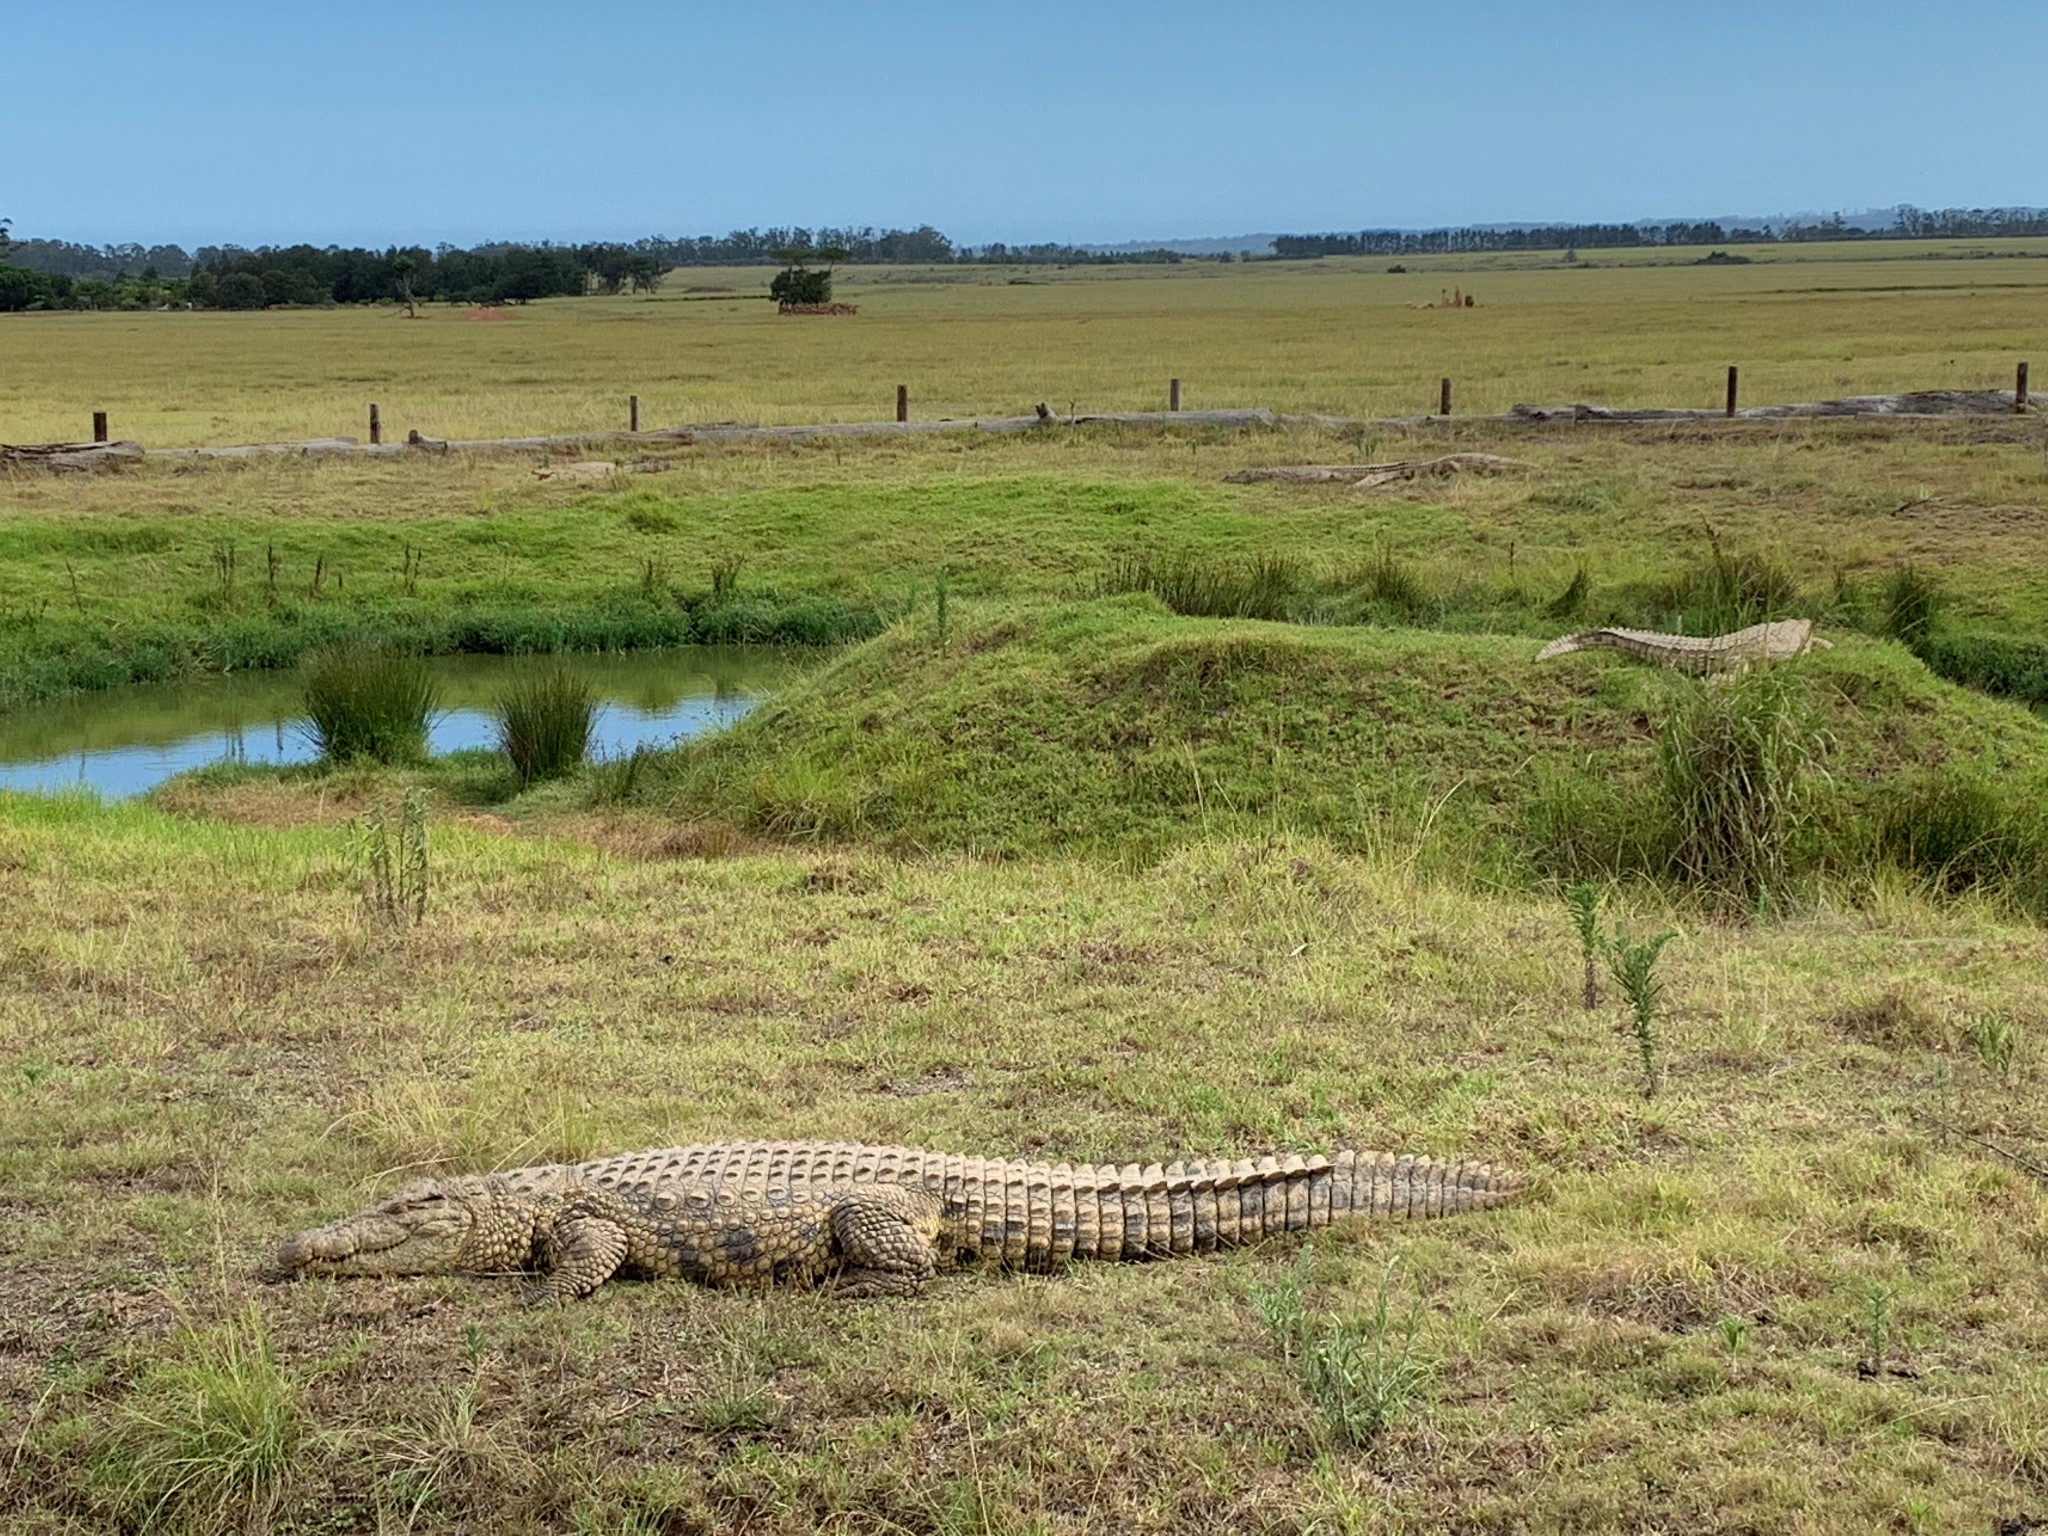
[(859, 1220), (1778, 641)]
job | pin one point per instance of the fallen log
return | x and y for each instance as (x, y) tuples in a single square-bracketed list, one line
[(69, 458), (1366, 476)]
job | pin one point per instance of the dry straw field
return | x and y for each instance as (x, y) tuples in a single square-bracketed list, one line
[(1341, 337), (1132, 814)]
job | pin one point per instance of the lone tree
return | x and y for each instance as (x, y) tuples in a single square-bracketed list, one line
[(799, 283), (403, 269)]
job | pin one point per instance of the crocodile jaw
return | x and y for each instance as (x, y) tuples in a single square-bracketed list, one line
[(438, 1228)]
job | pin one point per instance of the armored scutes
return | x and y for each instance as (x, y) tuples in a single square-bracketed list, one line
[(1779, 641), (860, 1220)]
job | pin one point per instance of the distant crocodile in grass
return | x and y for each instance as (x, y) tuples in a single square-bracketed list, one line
[(1779, 641), (860, 1220)]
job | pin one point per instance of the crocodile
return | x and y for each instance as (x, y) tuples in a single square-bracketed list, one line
[(1778, 641), (859, 1220)]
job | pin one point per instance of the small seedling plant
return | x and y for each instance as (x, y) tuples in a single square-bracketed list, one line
[(1634, 968), (1996, 1040), (1583, 901), (393, 869)]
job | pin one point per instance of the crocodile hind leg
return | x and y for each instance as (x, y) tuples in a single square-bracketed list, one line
[(887, 1241)]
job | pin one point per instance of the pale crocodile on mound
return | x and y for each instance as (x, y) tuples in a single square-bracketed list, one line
[(1778, 641), (862, 1220)]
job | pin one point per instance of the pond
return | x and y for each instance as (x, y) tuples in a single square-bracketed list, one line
[(126, 741)]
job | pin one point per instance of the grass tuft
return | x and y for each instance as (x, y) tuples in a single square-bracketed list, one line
[(1364, 1373), (1268, 587), (1960, 830), (1909, 600), (1733, 762), (369, 701), (1726, 591), (209, 1438), (544, 721)]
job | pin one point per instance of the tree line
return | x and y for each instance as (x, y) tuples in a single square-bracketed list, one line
[(43, 273), (1908, 224), (64, 274)]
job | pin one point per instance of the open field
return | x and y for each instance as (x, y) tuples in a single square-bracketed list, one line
[(1074, 855), (214, 1043), (1338, 336)]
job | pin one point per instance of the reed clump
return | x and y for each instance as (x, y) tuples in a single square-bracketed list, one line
[(544, 722), (1734, 763), (1267, 587), (369, 701)]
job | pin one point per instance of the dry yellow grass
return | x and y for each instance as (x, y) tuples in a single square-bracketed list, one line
[(215, 1045), (1339, 336)]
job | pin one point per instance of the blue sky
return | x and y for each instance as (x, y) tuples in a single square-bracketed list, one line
[(372, 123)]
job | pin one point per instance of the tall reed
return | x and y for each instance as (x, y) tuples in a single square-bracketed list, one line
[(544, 722), (369, 701), (1733, 761)]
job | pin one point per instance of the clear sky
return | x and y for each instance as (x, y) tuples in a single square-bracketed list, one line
[(211, 121)]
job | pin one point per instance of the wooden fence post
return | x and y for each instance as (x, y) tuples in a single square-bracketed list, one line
[(1731, 389), (1173, 395), (632, 413), (903, 402), (1443, 398), (99, 425), (2019, 389), (376, 424)]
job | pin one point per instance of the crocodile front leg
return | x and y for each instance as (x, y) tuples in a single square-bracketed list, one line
[(887, 1241), (577, 1255)]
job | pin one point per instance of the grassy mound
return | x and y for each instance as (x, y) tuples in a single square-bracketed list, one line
[(1114, 727)]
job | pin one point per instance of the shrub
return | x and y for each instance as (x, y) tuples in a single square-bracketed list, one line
[(393, 869), (369, 701), (798, 284), (1733, 761), (544, 722), (1634, 968), (1582, 900)]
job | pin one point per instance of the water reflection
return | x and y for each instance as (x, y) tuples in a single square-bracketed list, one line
[(126, 741)]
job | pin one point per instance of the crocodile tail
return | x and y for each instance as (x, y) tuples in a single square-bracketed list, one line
[(1566, 644), (1031, 1216), (1384, 1184)]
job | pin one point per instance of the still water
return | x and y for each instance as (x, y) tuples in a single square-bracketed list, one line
[(126, 741)]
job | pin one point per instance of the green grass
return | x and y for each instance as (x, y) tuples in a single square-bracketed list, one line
[(1115, 729), (210, 1437), (1034, 870), (120, 580), (1737, 765)]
